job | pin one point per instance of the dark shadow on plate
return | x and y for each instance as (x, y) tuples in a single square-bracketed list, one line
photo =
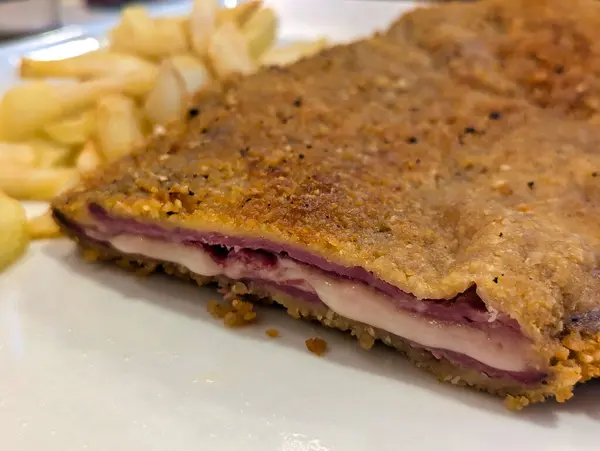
[(381, 360)]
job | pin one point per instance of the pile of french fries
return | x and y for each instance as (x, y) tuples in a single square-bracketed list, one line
[(115, 97)]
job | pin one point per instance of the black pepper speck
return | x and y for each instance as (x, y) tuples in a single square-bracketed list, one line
[(193, 112), (495, 280), (412, 140), (495, 115), (530, 184)]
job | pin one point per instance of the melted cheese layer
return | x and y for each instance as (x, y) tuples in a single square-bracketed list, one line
[(355, 301)]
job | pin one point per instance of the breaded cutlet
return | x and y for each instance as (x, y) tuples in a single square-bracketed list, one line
[(393, 187)]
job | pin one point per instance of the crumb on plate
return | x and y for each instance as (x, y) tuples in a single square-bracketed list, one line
[(235, 314), (316, 345), (273, 333)]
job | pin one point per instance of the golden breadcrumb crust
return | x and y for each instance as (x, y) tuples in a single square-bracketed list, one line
[(436, 157), (544, 50)]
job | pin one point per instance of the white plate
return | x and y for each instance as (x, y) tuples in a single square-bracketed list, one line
[(92, 358)]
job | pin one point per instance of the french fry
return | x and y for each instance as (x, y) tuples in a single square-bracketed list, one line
[(141, 35), (180, 21), (146, 126), (89, 158), (174, 36), (27, 108), (82, 95), (202, 24), (192, 70), (24, 108), (240, 13), (74, 130), (118, 127), (13, 230), (281, 56), (27, 183), (228, 51), (137, 19), (97, 64), (204, 18), (21, 154), (166, 101), (138, 84), (43, 227), (35, 152), (260, 31), (51, 154)]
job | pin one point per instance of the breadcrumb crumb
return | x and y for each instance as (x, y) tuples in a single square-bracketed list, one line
[(316, 345), (273, 333), (515, 403), (90, 255), (235, 314), (366, 341)]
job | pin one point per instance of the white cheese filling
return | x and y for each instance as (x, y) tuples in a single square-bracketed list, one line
[(351, 300)]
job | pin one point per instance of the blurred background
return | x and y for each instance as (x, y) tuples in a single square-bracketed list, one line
[(20, 18)]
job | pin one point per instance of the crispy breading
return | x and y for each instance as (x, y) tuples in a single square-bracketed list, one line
[(546, 50), (432, 156)]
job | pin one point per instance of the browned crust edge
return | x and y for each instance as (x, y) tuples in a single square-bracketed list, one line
[(578, 361)]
